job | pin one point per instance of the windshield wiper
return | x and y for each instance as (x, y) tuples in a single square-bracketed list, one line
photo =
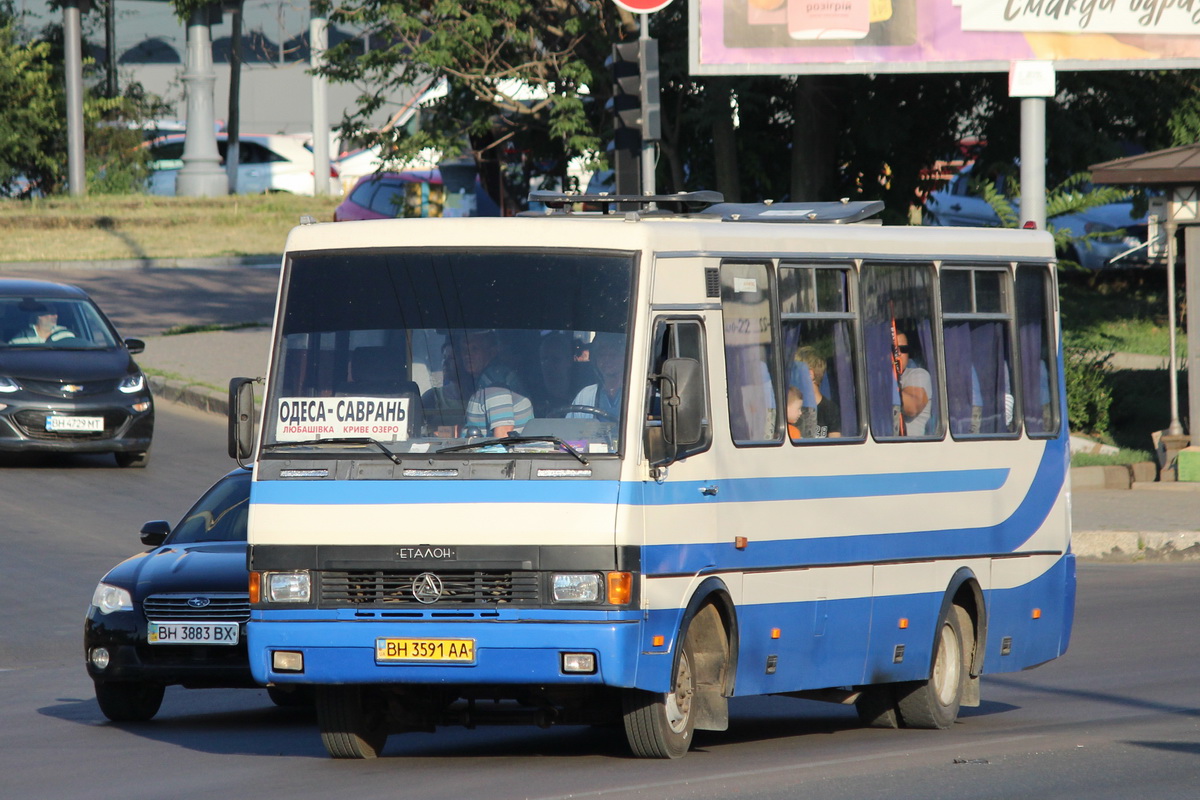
[(344, 440), (518, 440)]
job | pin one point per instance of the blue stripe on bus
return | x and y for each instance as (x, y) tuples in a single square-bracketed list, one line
[(636, 493), (832, 549)]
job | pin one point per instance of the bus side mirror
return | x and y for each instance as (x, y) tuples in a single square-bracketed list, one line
[(683, 406), (241, 419)]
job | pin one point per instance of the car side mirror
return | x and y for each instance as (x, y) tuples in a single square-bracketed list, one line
[(154, 533), (135, 346), (241, 419)]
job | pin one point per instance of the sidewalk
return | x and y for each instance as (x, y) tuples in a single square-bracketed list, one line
[(1151, 522)]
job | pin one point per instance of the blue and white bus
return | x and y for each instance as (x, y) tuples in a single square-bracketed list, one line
[(586, 468)]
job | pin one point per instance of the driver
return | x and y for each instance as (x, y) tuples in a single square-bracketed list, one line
[(608, 356), (43, 326)]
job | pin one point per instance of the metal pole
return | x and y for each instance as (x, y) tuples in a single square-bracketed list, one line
[(233, 120), (1033, 161), (110, 46), (73, 64), (649, 186), (1191, 256), (1175, 428), (318, 41), (201, 174)]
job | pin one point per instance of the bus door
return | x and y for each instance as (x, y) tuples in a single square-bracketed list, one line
[(680, 503)]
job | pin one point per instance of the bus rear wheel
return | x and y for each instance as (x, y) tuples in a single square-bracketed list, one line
[(349, 727), (661, 725), (934, 703)]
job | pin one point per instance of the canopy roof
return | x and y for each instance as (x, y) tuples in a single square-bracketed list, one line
[(1175, 166)]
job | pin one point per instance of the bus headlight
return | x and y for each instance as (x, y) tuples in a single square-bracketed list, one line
[(578, 587), (288, 587)]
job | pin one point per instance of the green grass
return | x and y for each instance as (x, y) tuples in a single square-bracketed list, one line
[(1098, 460), (182, 329), (1120, 311), (109, 227)]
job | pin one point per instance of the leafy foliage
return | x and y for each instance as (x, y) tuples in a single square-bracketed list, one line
[(31, 134), (1089, 395), (525, 80)]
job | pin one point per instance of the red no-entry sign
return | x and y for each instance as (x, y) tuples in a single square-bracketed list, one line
[(643, 6)]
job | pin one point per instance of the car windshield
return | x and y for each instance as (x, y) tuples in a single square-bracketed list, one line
[(418, 352), (30, 322), (219, 516)]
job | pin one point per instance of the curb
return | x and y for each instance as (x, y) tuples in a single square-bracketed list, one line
[(1128, 546), (189, 394)]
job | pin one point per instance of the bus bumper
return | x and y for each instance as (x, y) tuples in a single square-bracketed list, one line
[(511, 652)]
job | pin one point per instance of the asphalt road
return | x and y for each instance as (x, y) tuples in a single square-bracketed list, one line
[(1118, 716)]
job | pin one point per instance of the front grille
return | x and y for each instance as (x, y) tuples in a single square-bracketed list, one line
[(389, 587), (220, 608), (55, 388), (32, 423)]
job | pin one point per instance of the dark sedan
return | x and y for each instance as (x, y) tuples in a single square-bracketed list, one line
[(176, 614), (68, 382)]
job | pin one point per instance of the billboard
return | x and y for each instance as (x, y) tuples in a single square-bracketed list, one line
[(785, 37)]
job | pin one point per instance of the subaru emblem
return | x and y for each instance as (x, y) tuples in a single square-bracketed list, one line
[(427, 588), (198, 602)]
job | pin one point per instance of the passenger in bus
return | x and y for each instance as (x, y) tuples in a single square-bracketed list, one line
[(485, 367), (558, 372), (820, 416), (497, 411), (916, 387), (608, 357)]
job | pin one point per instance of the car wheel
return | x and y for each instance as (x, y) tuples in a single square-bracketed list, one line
[(934, 703), (661, 725), (137, 460), (129, 702)]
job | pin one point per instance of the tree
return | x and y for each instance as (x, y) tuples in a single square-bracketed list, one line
[(525, 80), (32, 138)]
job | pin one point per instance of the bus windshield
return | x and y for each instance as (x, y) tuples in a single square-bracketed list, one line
[(473, 352)]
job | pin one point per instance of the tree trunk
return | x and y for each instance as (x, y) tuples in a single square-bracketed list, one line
[(814, 168), (725, 143)]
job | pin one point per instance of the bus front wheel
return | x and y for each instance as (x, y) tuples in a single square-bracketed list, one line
[(934, 703), (661, 725), (350, 726)]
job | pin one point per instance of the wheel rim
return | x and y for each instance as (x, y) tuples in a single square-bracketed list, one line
[(947, 669), (679, 702)]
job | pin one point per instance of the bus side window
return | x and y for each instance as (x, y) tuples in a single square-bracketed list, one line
[(1039, 354), (977, 335), (750, 354), (674, 338), (820, 343), (901, 345)]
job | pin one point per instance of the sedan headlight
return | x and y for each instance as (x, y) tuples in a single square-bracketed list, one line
[(571, 587), (109, 598), (132, 383), (288, 587), (9, 385)]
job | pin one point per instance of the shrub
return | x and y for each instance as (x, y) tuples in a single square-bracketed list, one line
[(1089, 394)]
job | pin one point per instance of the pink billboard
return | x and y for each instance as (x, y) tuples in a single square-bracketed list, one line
[(754, 37)]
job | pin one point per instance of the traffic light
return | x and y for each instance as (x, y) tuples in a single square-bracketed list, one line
[(651, 108), (626, 102)]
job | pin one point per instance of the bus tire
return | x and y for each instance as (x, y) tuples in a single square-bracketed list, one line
[(128, 701), (876, 706), (661, 725), (934, 703), (348, 728)]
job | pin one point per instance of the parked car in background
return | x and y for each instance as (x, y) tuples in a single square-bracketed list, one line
[(68, 382), (176, 614), (414, 193), (1101, 237), (266, 163)]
